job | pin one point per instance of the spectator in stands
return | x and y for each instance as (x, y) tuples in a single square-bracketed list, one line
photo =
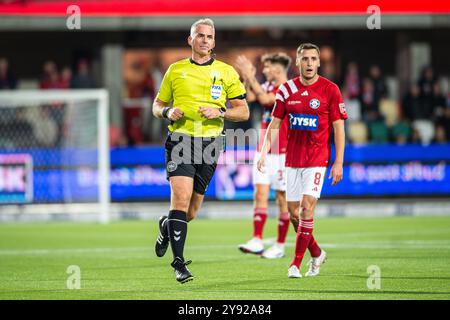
[(66, 78), (50, 77), (351, 81), (373, 89), (55, 112), (327, 63), (7, 78), (379, 83), (370, 111), (426, 85), (426, 82), (412, 104), (83, 79)]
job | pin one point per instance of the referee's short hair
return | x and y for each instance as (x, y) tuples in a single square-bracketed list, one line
[(205, 21), (307, 46), (280, 58)]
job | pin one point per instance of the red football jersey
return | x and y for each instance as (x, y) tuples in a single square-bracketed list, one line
[(280, 144), (311, 110)]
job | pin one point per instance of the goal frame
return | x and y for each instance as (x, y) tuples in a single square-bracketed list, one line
[(14, 98)]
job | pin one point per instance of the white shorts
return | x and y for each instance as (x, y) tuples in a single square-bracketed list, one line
[(302, 181), (275, 174)]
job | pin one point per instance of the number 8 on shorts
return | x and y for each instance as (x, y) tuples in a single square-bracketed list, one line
[(302, 181)]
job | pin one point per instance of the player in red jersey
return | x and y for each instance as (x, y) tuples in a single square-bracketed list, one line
[(275, 70), (315, 108)]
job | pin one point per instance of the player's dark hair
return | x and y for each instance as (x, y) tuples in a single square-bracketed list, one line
[(307, 46), (279, 58)]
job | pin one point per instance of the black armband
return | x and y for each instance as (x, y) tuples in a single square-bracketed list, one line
[(241, 97), (165, 111)]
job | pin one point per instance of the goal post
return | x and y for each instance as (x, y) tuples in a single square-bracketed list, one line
[(65, 134)]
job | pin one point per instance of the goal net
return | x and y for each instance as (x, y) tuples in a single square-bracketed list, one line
[(54, 153)]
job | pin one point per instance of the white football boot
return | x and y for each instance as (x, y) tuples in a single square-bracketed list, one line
[(315, 263), (293, 272), (254, 246), (274, 252)]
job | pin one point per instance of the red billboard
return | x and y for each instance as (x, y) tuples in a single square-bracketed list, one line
[(141, 8)]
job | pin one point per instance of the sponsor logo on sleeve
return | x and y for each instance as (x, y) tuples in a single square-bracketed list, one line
[(342, 108)]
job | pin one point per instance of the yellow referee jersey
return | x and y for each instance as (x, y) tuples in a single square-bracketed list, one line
[(191, 86)]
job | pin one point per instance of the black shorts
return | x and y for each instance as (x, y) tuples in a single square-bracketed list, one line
[(192, 157)]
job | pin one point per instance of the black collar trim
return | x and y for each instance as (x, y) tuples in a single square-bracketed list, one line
[(207, 63)]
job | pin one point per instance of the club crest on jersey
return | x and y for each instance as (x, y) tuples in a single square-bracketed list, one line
[(314, 103), (216, 91), (308, 122)]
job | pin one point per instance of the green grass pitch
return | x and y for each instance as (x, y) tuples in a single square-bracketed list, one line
[(117, 261)]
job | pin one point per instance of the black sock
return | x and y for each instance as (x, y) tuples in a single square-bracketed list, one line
[(177, 228)]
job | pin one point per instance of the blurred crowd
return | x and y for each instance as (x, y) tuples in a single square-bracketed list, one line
[(51, 77), (421, 116), (41, 126)]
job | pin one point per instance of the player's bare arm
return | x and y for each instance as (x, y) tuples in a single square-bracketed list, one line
[(336, 172), (161, 110), (248, 72), (271, 134), (250, 95)]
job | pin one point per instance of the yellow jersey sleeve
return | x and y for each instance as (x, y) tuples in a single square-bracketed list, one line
[(234, 86), (165, 91)]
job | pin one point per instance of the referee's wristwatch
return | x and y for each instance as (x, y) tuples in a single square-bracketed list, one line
[(222, 112)]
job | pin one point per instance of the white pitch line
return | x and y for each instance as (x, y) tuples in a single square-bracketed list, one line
[(402, 244)]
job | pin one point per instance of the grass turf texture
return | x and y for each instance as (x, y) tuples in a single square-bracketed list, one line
[(117, 261)]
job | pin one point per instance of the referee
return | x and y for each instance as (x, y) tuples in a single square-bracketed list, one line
[(192, 97)]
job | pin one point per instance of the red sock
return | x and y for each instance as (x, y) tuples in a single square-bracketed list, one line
[(283, 227), (304, 233), (313, 248), (259, 220)]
